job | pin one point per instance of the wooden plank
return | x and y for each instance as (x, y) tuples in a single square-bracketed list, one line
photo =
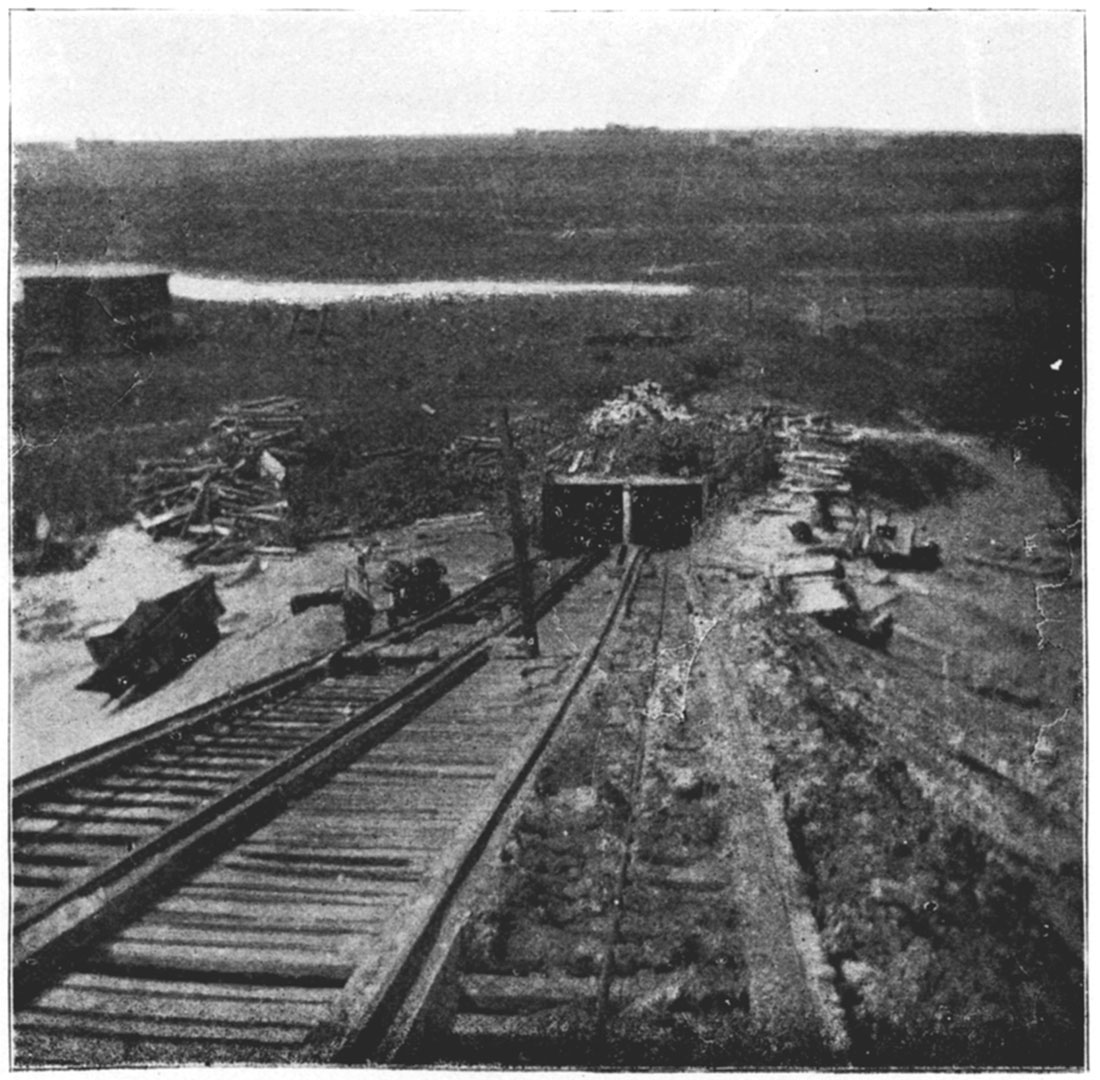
[(74, 1023), (158, 783), (28, 878), (145, 796), (227, 883), (251, 963), (230, 742), (231, 760), (219, 934), (189, 757), (64, 854), (57, 1049), (229, 991), (103, 812), (272, 912), (350, 854), (133, 999), (386, 871), (95, 832), (413, 833), (215, 775)]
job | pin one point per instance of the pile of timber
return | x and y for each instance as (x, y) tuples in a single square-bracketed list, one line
[(814, 458), (476, 451), (226, 495), (818, 429)]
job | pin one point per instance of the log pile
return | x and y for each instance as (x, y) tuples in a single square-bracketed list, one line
[(476, 451), (226, 495), (815, 454)]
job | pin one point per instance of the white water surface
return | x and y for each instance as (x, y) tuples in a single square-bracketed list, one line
[(240, 290)]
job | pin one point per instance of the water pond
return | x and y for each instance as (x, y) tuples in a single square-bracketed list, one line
[(240, 290)]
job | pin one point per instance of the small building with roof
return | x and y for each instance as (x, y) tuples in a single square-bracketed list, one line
[(73, 308)]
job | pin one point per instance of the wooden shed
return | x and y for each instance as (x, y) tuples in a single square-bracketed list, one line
[(67, 309)]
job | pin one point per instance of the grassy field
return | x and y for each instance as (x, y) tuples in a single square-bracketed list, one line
[(904, 280)]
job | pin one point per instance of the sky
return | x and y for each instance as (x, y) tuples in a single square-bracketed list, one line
[(189, 74)]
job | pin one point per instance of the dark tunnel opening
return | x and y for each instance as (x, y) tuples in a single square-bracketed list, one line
[(580, 516), (664, 517)]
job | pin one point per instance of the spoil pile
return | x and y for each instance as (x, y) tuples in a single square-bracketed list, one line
[(639, 430), (644, 403), (227, 494)]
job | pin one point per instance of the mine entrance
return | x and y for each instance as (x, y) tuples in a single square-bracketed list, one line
[(576, 517), (582, 512), (664, 516)]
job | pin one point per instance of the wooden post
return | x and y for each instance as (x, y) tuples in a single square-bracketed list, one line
[(519, 535)]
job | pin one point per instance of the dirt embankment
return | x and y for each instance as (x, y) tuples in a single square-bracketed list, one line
[(946, 945), (932, 792)]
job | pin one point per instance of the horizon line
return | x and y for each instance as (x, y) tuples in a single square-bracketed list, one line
[(610, 129)]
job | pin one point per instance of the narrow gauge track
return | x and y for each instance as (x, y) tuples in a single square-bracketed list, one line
[(663, 894), (217, 890), (500, 1018)]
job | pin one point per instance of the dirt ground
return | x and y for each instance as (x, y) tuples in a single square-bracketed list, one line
[(53, 613)]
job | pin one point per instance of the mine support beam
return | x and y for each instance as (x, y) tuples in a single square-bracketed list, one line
[(519, 535), (628, 516)]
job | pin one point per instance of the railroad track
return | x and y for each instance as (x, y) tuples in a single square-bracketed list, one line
[(500, 1016), (250, 881), (618, 876)]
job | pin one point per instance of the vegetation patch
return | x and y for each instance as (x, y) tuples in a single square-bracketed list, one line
[(911, 474)]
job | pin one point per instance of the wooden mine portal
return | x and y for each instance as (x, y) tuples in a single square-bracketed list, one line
[(588, 510)]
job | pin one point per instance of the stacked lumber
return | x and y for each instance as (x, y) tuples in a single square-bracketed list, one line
[(476, 451), (809, 470), (273, 423), (814, 458), (226, 495), (820, 428)]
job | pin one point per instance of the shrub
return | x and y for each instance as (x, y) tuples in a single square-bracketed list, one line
[(911, 475)]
